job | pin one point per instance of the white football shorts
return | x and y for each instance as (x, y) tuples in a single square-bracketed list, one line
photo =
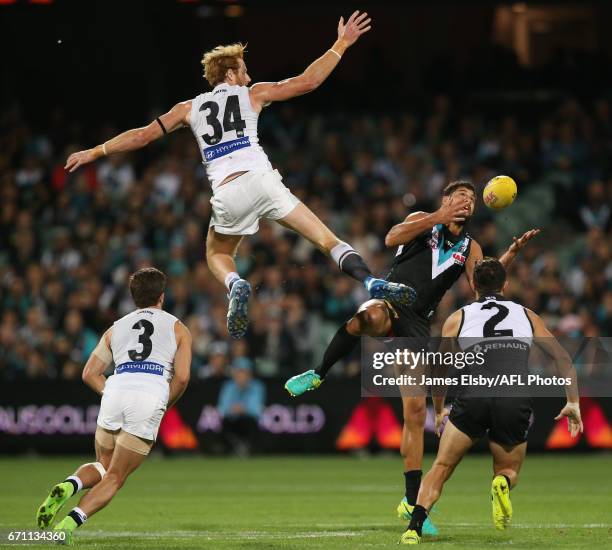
[(136, 412), (238, 205)]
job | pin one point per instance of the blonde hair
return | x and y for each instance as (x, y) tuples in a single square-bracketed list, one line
[(217, 61)]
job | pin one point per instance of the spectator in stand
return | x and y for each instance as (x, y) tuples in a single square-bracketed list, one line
[(68, 241), (241, 403)]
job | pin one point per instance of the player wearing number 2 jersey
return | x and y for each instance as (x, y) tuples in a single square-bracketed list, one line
[(151, 350), (245, 187), (504, 420), (433, 251)]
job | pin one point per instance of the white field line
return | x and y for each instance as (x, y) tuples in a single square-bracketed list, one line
[(212, 535)]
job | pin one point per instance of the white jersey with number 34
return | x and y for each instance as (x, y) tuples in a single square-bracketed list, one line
[(143, 344), (225, 125)]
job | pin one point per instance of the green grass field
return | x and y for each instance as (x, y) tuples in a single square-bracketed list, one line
[(314, 502)]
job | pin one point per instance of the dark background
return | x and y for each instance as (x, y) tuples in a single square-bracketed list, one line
[(77, 72), (118, 61), (35, 417)]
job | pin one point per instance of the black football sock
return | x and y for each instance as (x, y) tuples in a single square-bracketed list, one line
[(413, 483), (419, 515), (350, 262), (341, 345), (508, 480), (76, 483), (78, 516)]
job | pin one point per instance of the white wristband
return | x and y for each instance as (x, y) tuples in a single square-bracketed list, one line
[(334, 51), (104, 149)]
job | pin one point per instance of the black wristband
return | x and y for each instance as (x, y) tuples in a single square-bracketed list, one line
[(161, 125)]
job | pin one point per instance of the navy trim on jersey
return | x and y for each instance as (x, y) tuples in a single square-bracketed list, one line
[(493, 296), (529, 319), (461, 324), (140, 366), (222, 149)]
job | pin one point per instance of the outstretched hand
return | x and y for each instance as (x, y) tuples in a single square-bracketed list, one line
[(78, 159), (356, 25), (519, 243), (571, 411)]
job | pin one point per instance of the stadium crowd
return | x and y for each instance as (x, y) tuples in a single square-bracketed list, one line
[(68, 242)]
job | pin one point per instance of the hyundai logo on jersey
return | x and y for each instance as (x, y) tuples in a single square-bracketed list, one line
[(140, 366), (216, 151)]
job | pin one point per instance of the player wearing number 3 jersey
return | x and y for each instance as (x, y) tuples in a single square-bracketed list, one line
[(245, 187), (151, 350)]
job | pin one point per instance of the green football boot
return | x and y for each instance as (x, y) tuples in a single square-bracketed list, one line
[(301, 383), (67, 525), (51, 506), (404, 512)]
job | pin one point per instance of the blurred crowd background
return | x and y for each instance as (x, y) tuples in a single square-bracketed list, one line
[(431, 95), (68, 242)]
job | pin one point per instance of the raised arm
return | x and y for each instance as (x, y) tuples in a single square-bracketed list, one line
[(99, 360), (175, 118), (263, 93), (182, 363), (417, 222), (473, 259), (547, 342), (508, 257)]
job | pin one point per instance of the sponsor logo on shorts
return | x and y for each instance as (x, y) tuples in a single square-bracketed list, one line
[(140, 366), (222, 149)]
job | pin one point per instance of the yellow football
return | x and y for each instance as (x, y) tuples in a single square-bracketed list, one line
[(499, 192)]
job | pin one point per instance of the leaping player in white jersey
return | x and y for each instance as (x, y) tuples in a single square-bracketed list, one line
[(151, 350), (245, 187)]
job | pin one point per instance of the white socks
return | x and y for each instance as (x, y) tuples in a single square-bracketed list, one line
[(231, 277)]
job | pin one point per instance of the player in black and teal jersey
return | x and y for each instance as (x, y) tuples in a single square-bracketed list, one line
[(434, 249)]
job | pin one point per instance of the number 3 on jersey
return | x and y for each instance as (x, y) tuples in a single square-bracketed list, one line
[(232, 120), (144, 339)]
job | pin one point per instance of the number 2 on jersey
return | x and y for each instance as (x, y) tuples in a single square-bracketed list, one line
[(232, 119), (144, 339), (489, 329)]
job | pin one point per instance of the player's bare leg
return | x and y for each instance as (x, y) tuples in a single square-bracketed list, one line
[(507, 462), (412, 447), (304, 221), (454, 444), (220, 252), (86, 476), (123, 462), (371, 319), (414, 409)]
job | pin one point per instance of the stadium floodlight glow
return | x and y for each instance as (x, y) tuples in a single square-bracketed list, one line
[(234, 11)]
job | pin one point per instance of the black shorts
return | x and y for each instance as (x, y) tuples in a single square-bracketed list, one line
[(506, 420), (406, 323)]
